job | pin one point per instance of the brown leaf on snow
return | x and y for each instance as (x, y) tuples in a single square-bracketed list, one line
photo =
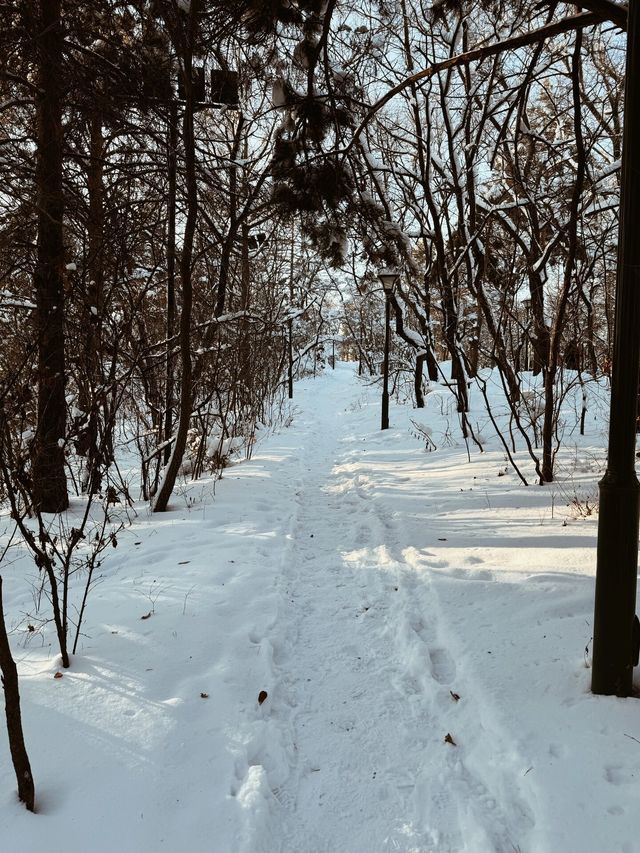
[(204, 695), (449, 739), (455, 696), (147, 616), (58, 675), (262, 696)]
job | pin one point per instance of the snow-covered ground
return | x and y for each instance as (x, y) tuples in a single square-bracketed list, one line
[(420, 623)]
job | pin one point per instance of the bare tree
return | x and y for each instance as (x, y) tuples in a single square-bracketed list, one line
[(9, 671)]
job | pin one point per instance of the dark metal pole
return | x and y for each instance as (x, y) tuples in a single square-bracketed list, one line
[(619, 489), (385, 367)]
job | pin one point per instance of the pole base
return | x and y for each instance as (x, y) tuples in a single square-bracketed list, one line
[(616, 578)]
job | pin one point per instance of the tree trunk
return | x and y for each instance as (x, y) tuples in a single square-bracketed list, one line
[(49, 479), (245, 372), (91, 394), (161, 499), (172, 154), (26, 788), (555, 334)]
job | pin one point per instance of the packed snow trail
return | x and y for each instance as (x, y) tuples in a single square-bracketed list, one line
[(419, 622), (363, 691)]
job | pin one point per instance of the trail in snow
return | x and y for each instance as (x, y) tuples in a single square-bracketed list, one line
[(361, 582), (365, 683)]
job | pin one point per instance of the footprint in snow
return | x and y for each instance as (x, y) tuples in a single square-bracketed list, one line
[(443, 667)]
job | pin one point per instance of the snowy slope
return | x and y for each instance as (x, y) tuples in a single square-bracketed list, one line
[(384, 598)]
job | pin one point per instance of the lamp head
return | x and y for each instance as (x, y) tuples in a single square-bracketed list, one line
[(389, 279)]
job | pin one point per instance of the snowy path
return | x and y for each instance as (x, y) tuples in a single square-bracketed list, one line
[(365, 684), (361, 583)]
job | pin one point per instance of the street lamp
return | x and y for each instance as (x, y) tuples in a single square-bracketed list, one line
[(615, 627), (388, 279)]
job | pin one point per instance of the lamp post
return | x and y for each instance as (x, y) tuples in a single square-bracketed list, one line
[(614, 643), (388, 279)]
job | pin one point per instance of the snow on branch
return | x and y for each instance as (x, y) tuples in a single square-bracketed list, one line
[(607, 10), (478, 54)]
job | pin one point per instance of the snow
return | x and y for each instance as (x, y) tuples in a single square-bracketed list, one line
[(417, 339), (384, 598), (9, 302)]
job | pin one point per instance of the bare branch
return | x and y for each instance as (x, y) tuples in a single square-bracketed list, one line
[(478, 54)]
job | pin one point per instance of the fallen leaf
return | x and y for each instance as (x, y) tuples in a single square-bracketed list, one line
[(148, 616), (58, 675), (449, 739), (184, 562), (262, 696), (455, 696), (443, 539), (204, 695)]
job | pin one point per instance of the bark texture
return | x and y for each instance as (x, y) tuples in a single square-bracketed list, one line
[(26, 788)]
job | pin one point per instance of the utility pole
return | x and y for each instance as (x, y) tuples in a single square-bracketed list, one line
[(617, 566)]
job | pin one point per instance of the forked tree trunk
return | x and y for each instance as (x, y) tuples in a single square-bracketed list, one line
[(26, 788), (161, 499)]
